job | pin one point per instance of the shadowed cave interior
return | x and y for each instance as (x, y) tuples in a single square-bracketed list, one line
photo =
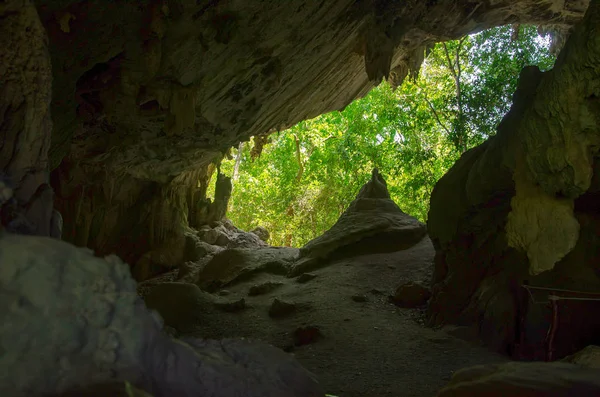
[(120, 277)]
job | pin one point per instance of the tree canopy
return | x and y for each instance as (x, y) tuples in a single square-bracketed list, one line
[(305, 177)]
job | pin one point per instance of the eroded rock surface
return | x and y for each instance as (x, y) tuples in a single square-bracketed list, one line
[(25, 123), (521, 209), (372, 223), (146, 97), (524, 379), (236, 264), (69, 320)]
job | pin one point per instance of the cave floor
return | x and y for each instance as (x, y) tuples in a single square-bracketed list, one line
[(367, 349)]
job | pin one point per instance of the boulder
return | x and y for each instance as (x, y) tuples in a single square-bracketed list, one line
[(372, 223), (209, 235), (246, 240), (411, 295), (281, 308), (264, 288), (307, 335), (71, 321), (524, 379), (181, 305), (237, 264), (359, 298), (231, 306), (262, 233), (588, 357), (521, 210)]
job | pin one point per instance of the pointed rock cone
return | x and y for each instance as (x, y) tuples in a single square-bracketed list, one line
[(373, 223)]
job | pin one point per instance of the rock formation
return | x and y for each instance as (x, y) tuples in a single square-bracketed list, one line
[(524, 379), (372, 223), (69, 320), (119, 112), (25, 124), (521, 211), (145, 97)]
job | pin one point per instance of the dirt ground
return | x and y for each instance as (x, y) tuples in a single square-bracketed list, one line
[(368, 348)]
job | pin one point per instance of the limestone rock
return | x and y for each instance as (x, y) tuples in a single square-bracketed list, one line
[(306, 335), (359, 298), (133, 87), (372, 223), (197, 249), (209, 235), (229, 237), (231, 306), (246, 240), (264, 288), (262, 233), (281, 308), (588, 357), (181, 305), (524, 379), (25, 119), (521, 209), (236, 264), (71, 321), (410, 295)]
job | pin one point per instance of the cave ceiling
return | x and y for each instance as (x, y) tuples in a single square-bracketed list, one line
[(154, 89)]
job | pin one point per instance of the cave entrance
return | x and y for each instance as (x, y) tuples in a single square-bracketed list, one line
[(296, 183)]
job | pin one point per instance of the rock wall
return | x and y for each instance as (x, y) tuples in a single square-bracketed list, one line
[(147, 93), (521, 208), (25, 124)]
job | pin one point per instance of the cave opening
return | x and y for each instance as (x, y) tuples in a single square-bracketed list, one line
[(296, 183), (303, 199)]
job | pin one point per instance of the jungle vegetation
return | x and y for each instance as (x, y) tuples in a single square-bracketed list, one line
[(296, 183)]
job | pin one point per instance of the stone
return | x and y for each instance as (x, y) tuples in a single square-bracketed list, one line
[(359, 298), (306, 335), (246, 240), (209, 236), (524, 379), (223, 240), (305, 278), (262, 233), (127, 104), (231, 306), (521, 210), (236, 264), (25, 117), (589, 357), (373, 223), (410, 295), (186, 270), (181, 305), (71, 321), (281, 308), (264, 288)]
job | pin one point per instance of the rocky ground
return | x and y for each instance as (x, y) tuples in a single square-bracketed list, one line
[(348, 305), (356, 341)]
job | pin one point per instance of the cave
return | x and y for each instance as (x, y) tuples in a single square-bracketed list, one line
[(120, 277)]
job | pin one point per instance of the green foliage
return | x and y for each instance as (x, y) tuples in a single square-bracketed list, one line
[(413, 135)]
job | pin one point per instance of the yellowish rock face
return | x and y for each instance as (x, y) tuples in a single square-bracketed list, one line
[(539, 224)]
